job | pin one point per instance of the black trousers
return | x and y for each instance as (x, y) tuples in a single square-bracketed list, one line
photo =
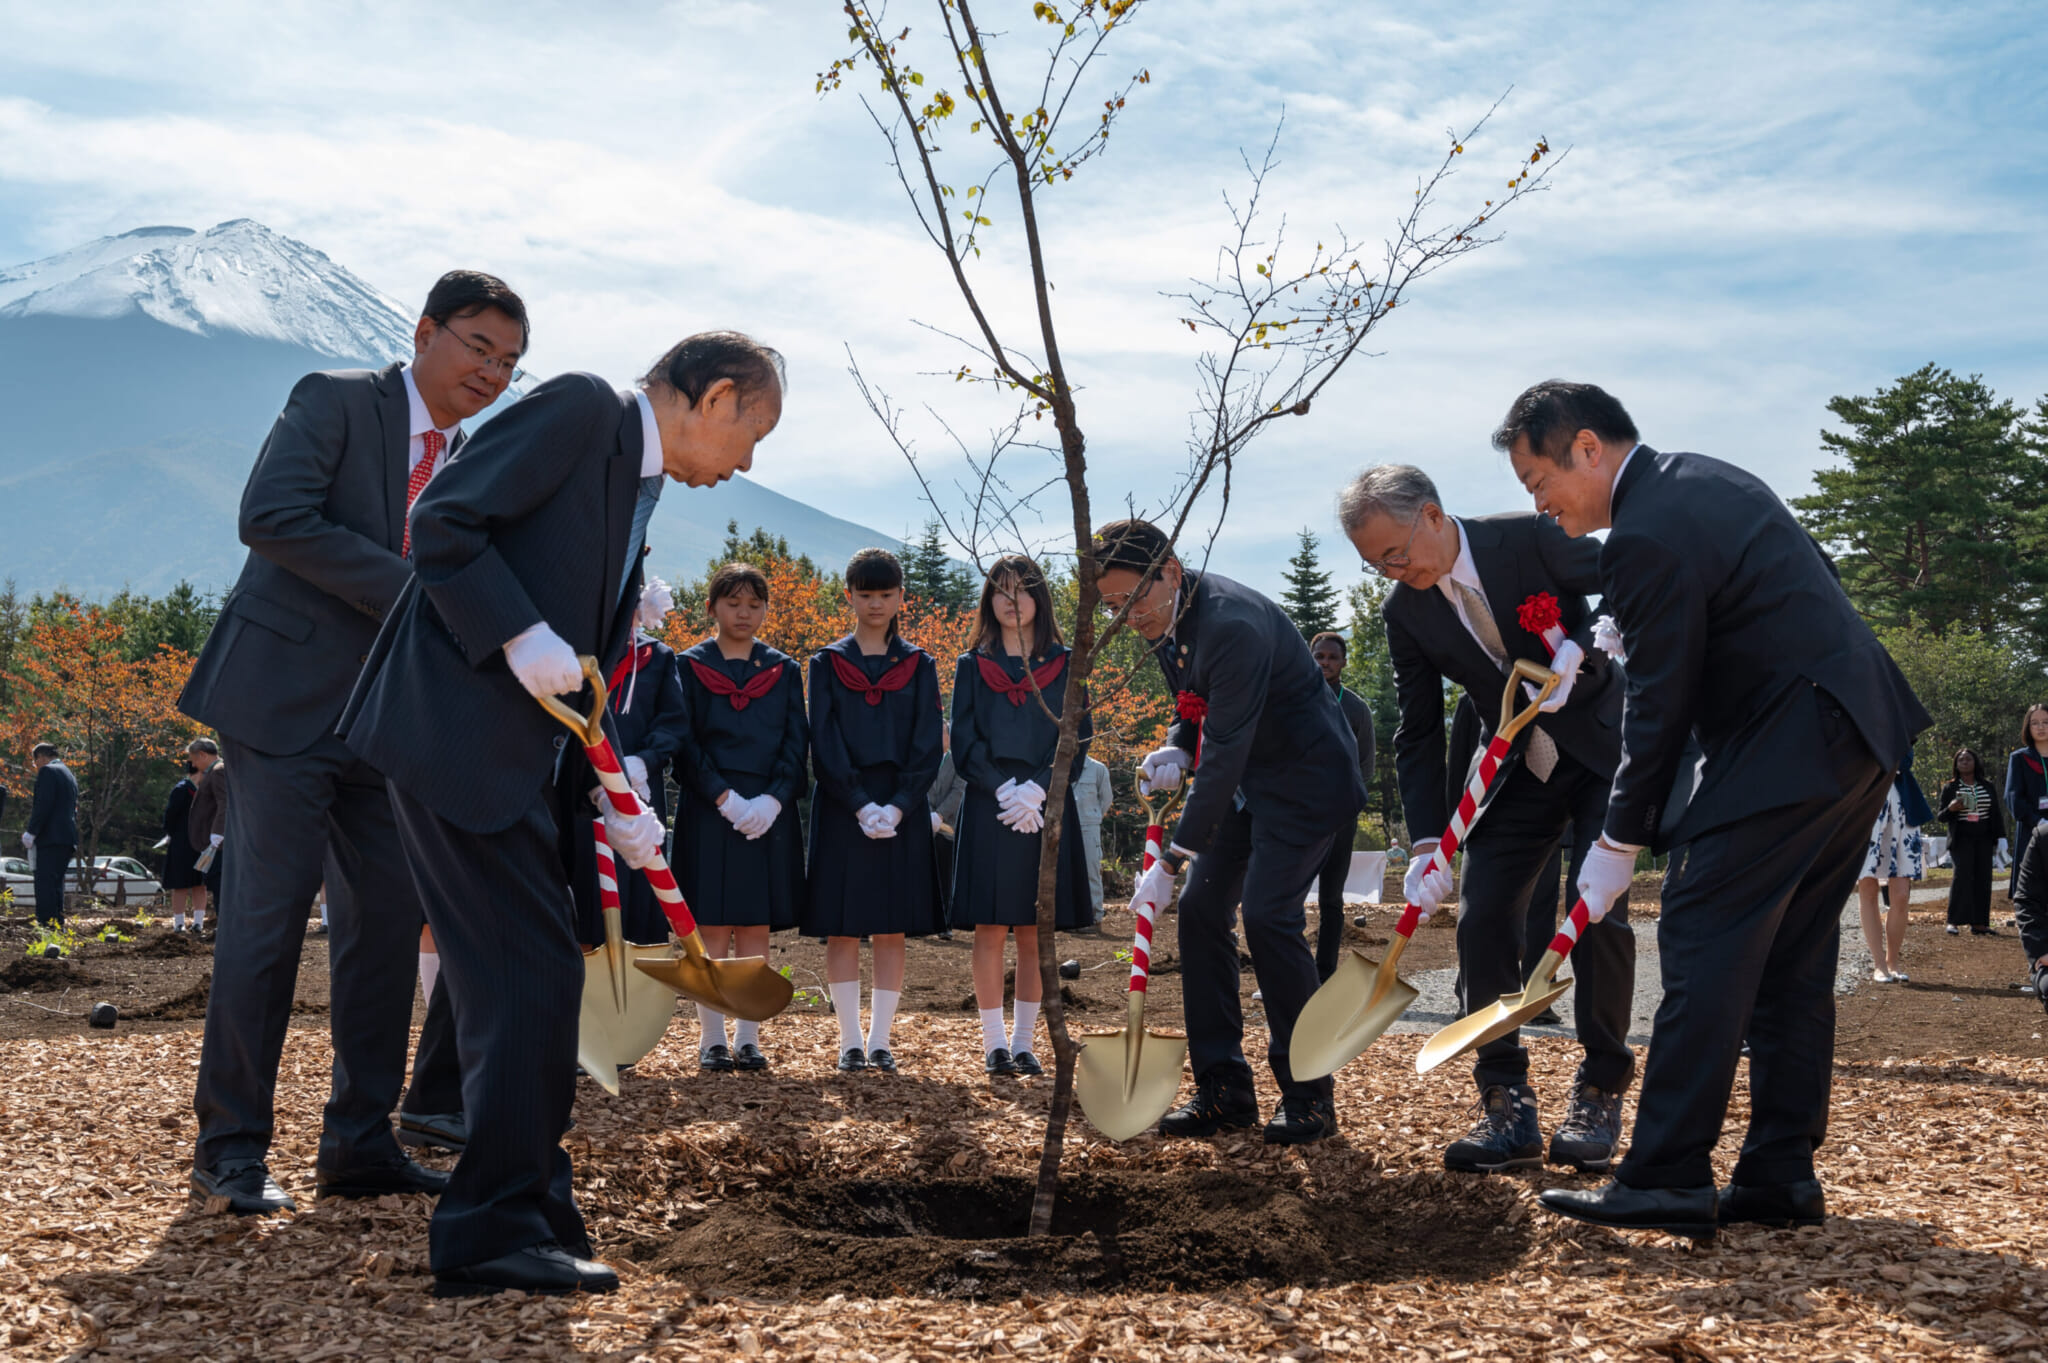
[(292, 822), (1969, 894), (1270, 876), (1330, 906), (53, 864), (436, 1088), (1539, 925), (2022, 831), (1522, 829), (505, 925), (1749, 935)]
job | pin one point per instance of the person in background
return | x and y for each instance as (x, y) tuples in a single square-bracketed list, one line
[(1093, 795), (206, 825), (2030, 899), (1330, 651), (52, 832), (1894, 857), (2026, 784), (182, 876), (946, 795), (1976, 833)]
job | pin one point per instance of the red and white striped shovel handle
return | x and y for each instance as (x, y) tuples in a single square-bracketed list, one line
[(1141, 943), (1568, 935), (1461, 820), (620, 791)]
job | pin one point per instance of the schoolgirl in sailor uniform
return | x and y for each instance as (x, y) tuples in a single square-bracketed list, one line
[(875, 748), (741, 770), (1003, 745)]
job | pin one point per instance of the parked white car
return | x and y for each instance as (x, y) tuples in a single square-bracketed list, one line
[(115, 879)]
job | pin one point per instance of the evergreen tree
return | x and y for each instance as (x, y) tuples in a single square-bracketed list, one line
[(1370, 672), (931, 574), (1310, 601)]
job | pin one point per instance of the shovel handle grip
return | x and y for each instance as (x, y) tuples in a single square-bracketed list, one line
[(1568, 935)]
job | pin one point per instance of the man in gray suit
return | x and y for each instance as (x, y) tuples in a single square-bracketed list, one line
[(325, 517)]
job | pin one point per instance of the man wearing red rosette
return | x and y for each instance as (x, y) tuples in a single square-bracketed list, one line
[(1276, 781), (1473, 596)]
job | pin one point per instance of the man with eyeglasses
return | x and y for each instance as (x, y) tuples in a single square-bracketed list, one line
[(1276, 778), (1472, 596), (325, 517)]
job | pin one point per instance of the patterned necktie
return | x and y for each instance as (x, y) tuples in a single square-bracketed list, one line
[(431, 445), (1541, 755), (643, 511)]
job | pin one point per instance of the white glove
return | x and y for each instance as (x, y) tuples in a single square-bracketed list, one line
[(1162, 769), (1032, 794), (761, 814), (213, 839), (636, 777), (873, 822), (1605, 876), (1155, 887), (889, 818), (1006, 795), (1426, 885), (937, 822), (1607, 638), (634, 837), (28, 842), (1029, 821), (545, 665), (656, 601), (733, 807), (1567, 661), (1010, 816)]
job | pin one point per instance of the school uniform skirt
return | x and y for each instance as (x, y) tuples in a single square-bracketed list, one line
[(731, 882), (865, 887), (995, 869)]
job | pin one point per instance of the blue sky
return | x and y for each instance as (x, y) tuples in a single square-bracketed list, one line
[(1764, 205)]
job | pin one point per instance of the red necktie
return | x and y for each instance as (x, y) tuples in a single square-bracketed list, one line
[(430, 450)]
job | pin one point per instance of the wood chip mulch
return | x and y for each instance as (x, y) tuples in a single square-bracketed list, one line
[(1935, 1174)]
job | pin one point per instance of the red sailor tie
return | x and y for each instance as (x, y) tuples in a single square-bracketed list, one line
[(718, 684), (431, 445)]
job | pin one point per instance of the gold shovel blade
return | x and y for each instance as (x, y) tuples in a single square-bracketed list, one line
[(1490, 1023), (1360, 1000), (745, 987), (1126, 1080), (608, 1034)]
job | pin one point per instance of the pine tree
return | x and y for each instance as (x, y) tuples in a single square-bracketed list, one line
[(1369, 671), (1310, 601), (932, 575)]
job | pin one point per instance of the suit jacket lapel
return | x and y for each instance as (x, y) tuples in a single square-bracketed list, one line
[(621, 495), (394, 416), (1638, 469), (1500, 573)]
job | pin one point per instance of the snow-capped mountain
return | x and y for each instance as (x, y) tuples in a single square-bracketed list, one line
[(239, 276)]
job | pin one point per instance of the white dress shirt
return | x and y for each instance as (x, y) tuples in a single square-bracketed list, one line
[(650, 437), (1465, 571), (416, 447)]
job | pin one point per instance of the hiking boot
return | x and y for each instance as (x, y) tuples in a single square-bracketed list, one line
[(1215, 1107), (1590, 1132), (1302, 1119), (1505, 1134)]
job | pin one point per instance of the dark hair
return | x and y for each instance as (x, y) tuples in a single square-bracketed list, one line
[(2027, 739), (728, 580), (1133, 545), (876, 570), (1343, 646), (465, 293), (694, 363), (1956, 767), (205, 745), (43, 750), (1045, 626), (1549, 414)]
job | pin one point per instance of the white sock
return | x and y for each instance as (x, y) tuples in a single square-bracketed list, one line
[(430, 970), (178, 921), (199, 920), (746, 1033), (846, 1003), (1026, 1024), (992, 1029), (882, 1004), (712, 1026)]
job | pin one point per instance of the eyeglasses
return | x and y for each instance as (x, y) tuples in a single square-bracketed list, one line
[(508, 369), (1394, 562)]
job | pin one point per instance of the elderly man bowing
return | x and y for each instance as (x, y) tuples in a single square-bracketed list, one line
[(527, 552)]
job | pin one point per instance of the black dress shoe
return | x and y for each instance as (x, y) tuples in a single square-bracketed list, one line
[(1302, 1119), (246, 1184), (1027, 1063), (880, 1059), (852, 1061), (1675, 1211), (1000, 1061), (1547, 1018), (547, 1269), (715, 1059), (375, 1180), (1215, 1107), (1777, 1205), (749, 1057), (433, 1131)]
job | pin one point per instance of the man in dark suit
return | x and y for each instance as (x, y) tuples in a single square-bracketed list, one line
[(527, 553), (1461, 611), (1330, 650), (52, 832), (324, 516), (1276, 781), (1736, 631)]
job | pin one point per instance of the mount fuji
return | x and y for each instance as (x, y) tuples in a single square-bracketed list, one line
[(139, 374)]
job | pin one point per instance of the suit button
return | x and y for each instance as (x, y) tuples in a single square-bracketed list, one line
[(362, 657), (561, 740)]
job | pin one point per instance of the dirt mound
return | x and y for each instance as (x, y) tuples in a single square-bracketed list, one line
[(168, 946), (183, 1007), (44, 975), (1193, 1231)]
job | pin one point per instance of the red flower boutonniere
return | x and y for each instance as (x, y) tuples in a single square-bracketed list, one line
[(1542, 617), (1194, 709)]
